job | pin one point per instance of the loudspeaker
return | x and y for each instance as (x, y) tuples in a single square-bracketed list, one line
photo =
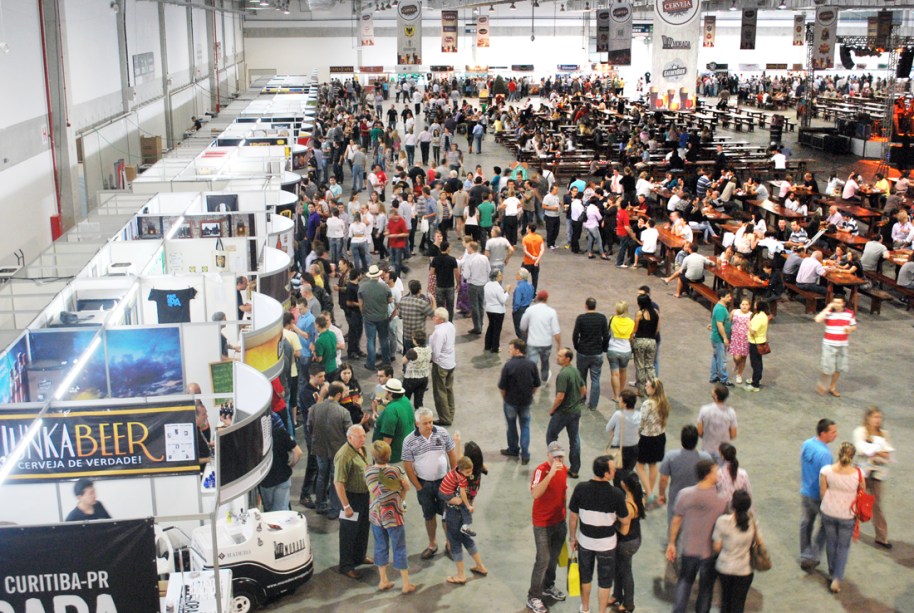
[(846, 60), (903, 71)]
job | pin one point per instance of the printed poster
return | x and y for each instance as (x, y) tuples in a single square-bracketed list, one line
[(482, 31), (748, 28), (710, 31), (675, 60), (603, 31), (799, 30), (409, 33), (620, 39), (823, 40), (448, 31), (366, 30)]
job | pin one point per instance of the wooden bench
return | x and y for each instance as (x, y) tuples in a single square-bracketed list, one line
[(884, 281), (705, 292), (651, 262), (811, 298), (876, 297)]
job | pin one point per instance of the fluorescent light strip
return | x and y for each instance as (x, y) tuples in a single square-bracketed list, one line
[(77, 369), (13, 458)]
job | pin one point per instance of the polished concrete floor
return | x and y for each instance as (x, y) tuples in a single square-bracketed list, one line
[(772, 426)]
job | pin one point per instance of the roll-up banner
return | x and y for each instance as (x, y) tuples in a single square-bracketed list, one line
[(244, 456), (102, 441), (710, 31), (409, 33), (823, 41), (799, 30), (620, 36), (448, 31), (366, 30), (675, 60), (482, 31), (748, 28), (85, 566), (603, 31)]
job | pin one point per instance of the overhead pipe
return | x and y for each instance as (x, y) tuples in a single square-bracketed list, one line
[(56, 228)]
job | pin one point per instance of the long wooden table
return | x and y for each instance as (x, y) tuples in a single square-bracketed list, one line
[(839, 278), (734, 278), (773, 212), (670, 244)]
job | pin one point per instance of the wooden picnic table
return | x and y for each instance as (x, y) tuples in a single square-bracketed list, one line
[(734, 278), (840, 278), (670, 244), (775, 211), (846, 238)]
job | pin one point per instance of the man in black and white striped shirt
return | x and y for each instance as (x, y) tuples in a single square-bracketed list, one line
[(595, 507)]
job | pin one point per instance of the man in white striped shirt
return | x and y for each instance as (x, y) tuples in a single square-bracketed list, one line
[(595, 507)]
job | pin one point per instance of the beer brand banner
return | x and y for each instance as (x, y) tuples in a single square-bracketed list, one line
[(102, 441), (823, 40), (448, 31), (409, 33), (710, 31), (620, 39), (366, 30), (603, 31), (482, 31), (675, 59), (799, 30), (93, 566), (748, 28)]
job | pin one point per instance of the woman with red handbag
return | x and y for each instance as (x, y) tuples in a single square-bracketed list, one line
[(838, 486), (873, 454)]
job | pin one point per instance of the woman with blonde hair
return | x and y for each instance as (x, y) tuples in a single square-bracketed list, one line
[(619, 350), (873, 453), (655, 411), (838, 485)]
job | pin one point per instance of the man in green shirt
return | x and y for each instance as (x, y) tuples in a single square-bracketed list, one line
[(720, 337), (566, 408), (396, 420), (486, 218), (349, 480), (325, 347)]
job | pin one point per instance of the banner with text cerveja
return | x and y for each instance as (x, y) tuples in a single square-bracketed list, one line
[(748, 28), (482, 31), (823, 40), (94, 566), (603, 31), (366, 30), (710, 31), (799, 30), (448, 31), (409, 33), (620, 35), (102, 442), (677, 30)]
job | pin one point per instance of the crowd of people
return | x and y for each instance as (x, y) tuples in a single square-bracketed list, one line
[(417, 199)]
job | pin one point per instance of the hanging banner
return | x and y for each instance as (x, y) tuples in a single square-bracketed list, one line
[(710, 31), (799, 30), (366, 30), (620, 39), (823, 40), (482, 31), (675, 61), (748, 28), (85, 566), (103, 441), (448, 31), (603, 31), (409, 33)]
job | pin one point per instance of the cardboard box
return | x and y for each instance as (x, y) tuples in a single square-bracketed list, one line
[(149, 160), (151, 146), (131, 171)]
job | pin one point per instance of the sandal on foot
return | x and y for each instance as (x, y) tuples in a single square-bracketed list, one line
[(477, 571), (456, 581), (428, 553)]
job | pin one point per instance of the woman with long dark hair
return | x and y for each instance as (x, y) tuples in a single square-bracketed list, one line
[(627, 544), (644, 344), (732, 477), (732, 540)]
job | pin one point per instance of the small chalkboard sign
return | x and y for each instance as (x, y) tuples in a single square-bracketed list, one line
[(222, 377)]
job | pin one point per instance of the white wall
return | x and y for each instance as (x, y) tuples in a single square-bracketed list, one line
[(21, 67), (27, 202)]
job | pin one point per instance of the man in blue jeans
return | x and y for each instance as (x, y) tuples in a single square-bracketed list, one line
[(696, 511), (565, 412), (813, 456), (328, 423), (591, 340), (548, 487), (720, 337), (540, 323), (374, 296), (518, 383)]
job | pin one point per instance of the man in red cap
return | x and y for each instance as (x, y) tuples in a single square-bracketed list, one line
[(541, 325)]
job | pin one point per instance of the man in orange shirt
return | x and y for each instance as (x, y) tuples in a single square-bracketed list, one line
[(534, 247)]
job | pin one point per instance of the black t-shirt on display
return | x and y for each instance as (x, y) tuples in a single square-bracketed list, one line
[(173, 305)]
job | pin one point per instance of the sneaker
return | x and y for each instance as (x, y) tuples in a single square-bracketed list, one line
[(465, 529), (548, 376), (525, 461), (554, 593), (509, 453), (728, 383), (581, 609), (739, 379), (752, 388), (536, 605), (306, 502)]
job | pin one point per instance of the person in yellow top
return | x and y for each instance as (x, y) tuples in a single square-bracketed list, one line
[(619, 350), (758, 343), (882, 184)]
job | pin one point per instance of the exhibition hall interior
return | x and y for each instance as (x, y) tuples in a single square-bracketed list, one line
[(255, 264)]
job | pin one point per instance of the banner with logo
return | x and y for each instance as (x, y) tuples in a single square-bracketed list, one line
[(748, 28), (603, 31), (799, 30), (710, 31), (409, 33), (366, 30), (448, 31), (93, 566), (620, 39), (482, 31), (823, 40), (675, 59), (102, 441)]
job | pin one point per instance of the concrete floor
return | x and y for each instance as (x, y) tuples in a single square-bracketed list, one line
[(773, 425)]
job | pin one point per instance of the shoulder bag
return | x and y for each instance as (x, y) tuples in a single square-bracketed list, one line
[(758, 554), (763, 348), (862, 507)]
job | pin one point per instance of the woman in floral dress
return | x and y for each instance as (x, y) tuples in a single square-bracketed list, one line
[(739, 336)]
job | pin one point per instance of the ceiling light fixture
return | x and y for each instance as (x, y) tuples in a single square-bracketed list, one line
[(491, 8), (732, 5), (512, 7), (782, 5)]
